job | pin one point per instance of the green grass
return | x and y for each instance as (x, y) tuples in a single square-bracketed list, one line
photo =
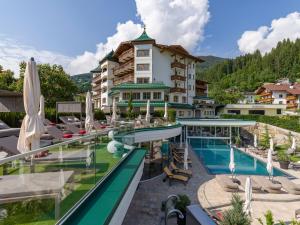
[(42, 211)]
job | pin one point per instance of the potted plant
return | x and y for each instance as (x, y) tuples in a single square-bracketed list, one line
[(284, 160), (181, 204), (238, 141)]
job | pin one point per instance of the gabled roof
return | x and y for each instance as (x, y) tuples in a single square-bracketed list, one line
[(130, 86)]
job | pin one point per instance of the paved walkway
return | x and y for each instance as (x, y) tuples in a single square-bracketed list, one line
[(146, 204)]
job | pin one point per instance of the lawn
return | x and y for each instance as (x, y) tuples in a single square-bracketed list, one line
[(83, 179)]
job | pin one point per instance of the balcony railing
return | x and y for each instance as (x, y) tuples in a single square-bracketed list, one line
[(177, 64), (291, 97), (96, 88), (178, 77), (97, 79), (124, 79), (200, 86), (97, 96), (292, 105), (124, 69), (126, 56), (266, 100), (177, 89), (265, 94)]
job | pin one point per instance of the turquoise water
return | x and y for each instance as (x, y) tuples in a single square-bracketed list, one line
[(215, 154)]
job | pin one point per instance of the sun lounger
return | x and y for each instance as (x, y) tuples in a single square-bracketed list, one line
[(227, 183), (180, 171), (74, 129), (70, 120), (256, 187), (16, 188), (268, 185), (175, 177), (57, 134), (181, 160), (289, 185), (3, 125)]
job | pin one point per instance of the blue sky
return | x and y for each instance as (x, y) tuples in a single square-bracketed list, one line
[(69, 28)]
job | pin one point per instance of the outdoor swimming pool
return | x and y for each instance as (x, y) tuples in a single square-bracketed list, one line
[(215, 154)]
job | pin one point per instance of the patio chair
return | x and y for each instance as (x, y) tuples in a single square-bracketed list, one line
[(227, 184), (180, 160), (256, 187), (70, 120), (289, 186), (268, 185), (180, 171), (295, 165), (171, 176)]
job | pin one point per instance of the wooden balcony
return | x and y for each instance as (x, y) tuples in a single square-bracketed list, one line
[(201, 86), (126, 56), (177, 90), (124, 69), (124, 79), (178, 77), (266, 100), (265, 94), (292, 105), (177, 64), (291, 98), (96, 79), (96, 88), (97, 96)]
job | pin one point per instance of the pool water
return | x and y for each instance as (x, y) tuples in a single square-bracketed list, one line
[(215, 154)]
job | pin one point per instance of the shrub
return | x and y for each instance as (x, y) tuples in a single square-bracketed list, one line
[(171, 115), (268, 217), (12, 119), (182, 203), (236, 215), (99, 115), (265, 139)]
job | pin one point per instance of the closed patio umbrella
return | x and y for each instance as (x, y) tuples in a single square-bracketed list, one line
[(42, 108), (166, 111), (114, 112), (294, 146), (89, 118), (255, 141), (32, 126), (232, 164), (148, 111), (270, 163), (271, 144), (248, 196), (185, 157)]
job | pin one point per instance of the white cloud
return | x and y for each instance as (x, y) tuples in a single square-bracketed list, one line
[(265, 38), (12, 53), (168, 21)]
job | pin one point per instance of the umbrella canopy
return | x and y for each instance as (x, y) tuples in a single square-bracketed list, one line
[(232, 164), (89, 118), (271, 144), (255, 141), (166, 111), (270, 163), (32, 126), (42, 108), (294, 146), (248, 196), (114, 112), (148, 111), (185, 157)]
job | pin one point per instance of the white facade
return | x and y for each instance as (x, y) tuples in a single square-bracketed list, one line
[(279, 97)]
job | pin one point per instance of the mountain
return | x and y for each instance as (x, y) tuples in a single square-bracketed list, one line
[(210, 61), (229, 78), (83, 81)]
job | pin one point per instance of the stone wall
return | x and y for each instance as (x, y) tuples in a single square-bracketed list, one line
[(280, 135)]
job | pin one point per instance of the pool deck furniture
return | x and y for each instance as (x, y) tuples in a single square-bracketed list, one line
[(256, 187), (180, 171), (15, 188), (268, 185), (101, 204), (70, 120), (227, 183), (180, 160), (171, 176), (289, 185)]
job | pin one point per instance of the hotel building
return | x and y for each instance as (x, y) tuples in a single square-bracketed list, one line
[(142, 70)]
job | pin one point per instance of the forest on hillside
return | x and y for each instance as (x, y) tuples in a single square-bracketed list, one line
[(229, 78)]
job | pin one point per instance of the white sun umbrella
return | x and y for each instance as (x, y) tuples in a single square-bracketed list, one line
[(185, 156), (166, 111), (271, 144), (42, 108), (248, 196), (114, 112), (32, 126), (89, 118), (231, 163), (62, 182), (270, 163), (88, 157), (255, 141), (148, 111), (294, 146)]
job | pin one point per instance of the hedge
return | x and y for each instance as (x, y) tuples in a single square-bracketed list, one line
[(291, 123)]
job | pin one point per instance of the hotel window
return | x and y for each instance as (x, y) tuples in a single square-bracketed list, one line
[(181, 113), (136, 96), (143, 53), (103, 100), (190, 87), (142, 80), (175, 98), (143, 67), (126, 96), (280, 96), (183, 99), (190, 76), (157, 95), (146, 95)]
